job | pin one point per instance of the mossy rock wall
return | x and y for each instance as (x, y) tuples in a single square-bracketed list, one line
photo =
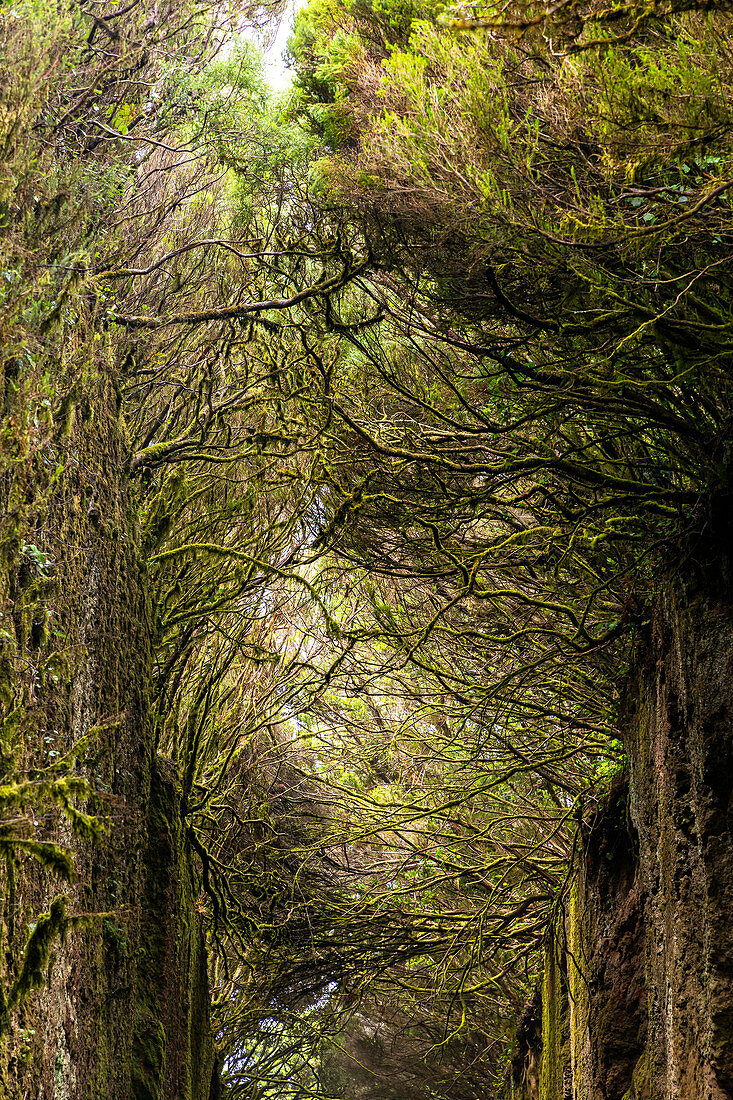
[(605, 930), (123, 1011), (587, 1027), (554, 1062), (172, 1052), (680, 724), (641, 979)]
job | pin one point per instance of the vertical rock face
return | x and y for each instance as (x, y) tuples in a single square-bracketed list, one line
[(681, 742), (123, 1010), (172, 1048), (640, 970), (584, 1035), (605, 938)]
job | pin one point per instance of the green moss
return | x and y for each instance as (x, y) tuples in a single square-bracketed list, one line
[(555, 1037), (148, 1058), (49, 927), (170, 933), (162, 512), (640, 1088), (579, 997)]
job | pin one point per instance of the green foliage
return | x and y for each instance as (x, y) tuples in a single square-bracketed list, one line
[(416, 430), (209, 100), (514, 415)]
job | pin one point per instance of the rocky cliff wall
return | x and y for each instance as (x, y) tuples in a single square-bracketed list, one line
[(121, 1005), (583, 1037), (680, 737), (636, 1001)]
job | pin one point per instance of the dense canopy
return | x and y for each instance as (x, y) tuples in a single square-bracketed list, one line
[(424, 368)]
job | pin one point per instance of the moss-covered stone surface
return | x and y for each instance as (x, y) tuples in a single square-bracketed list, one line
[(592, 1001), (173, 1052), (681, 737), (635, 1001), (122, 1005)]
